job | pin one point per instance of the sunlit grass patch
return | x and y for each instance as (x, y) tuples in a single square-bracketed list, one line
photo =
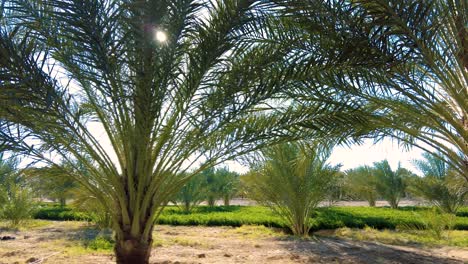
[(66, 247), (159, 242), (188, 242), (78, 247), (255, 232), (25, 225)]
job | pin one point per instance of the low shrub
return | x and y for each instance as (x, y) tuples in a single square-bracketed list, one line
[(379, 218), (462, 212), (100, 243), (221, 216), (434, 223), (61, 214), (18, 205)]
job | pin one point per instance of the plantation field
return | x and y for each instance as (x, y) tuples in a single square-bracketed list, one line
[(324, 218), (70, 242)]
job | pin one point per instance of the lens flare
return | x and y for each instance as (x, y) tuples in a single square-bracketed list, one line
[(160, 36)]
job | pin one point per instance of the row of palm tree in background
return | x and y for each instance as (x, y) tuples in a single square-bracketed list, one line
[(439, 185), (291, 178), (209, 185), (231, 77)]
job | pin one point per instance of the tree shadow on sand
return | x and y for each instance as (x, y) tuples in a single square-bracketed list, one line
[(79, 234), (333, 250)]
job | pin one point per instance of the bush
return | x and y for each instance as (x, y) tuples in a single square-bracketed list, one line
[(18, 205), (222, 216), (462, 212), (434, 222), (101, 243)]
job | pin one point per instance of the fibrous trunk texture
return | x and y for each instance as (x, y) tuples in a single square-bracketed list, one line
[(133, 250)]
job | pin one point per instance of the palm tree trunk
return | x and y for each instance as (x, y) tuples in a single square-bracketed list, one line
[(187, 207), (63, 202), (393, 204), (211, 201), (132, 250)]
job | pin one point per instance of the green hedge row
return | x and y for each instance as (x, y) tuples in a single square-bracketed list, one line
[(60, 214), (463, 211), (324, 218)]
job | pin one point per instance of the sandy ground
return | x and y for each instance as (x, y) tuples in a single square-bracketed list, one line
[(59, 242)]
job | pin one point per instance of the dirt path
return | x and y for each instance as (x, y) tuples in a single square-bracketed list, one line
[(61, 242)]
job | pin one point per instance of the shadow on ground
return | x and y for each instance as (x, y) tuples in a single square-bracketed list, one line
[(331, 250)]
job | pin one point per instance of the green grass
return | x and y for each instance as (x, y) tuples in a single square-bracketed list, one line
[(29, 224), (324, 218), (100, 243)]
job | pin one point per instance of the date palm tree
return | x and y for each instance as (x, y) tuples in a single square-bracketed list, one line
[(424, 98), (390, 184), (51, 183), (220, 184), (361, 183), (439, 184), (229, 184), (192, 193), (404, 61), (292, 179), (142, 94)]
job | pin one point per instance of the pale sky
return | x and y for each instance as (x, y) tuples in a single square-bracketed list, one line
[(368, 153), (364, 154)]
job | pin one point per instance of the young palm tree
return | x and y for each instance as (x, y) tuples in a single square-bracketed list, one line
[(192, 193), (390, 184), (229, 182), (8, 177), (137, 92), (361, 183), (52, 183), (16, 197), (220, 184), (212, 186), (292, 179), (440, 185)]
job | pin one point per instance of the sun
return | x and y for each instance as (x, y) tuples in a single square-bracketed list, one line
[(161, 36)]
